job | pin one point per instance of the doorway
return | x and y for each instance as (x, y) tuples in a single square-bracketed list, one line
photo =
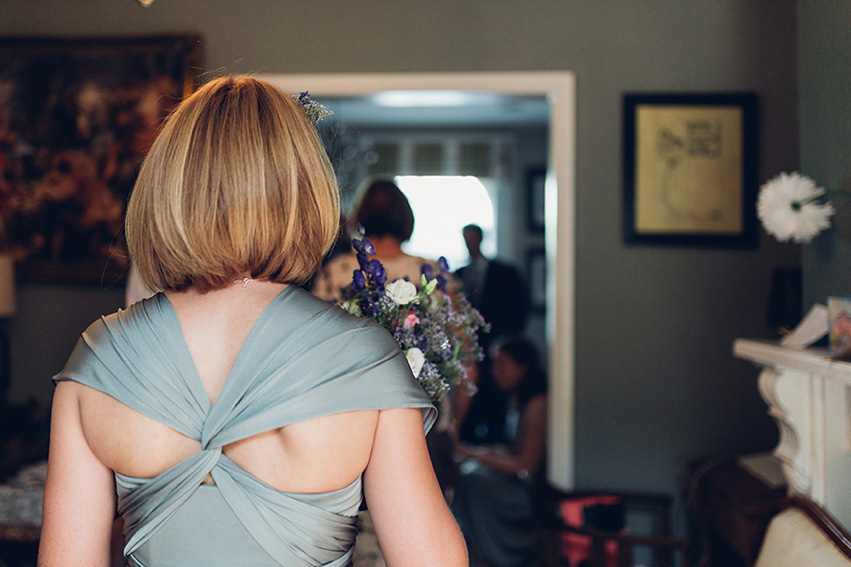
[(558, 88)]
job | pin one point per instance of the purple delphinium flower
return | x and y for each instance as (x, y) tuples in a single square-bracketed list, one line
[(363, 249), (358, 280), (368, 246), (427, 271), (368, 307), (363, 244), (376, 270), (363, 260), (442, 282), (443, 264)]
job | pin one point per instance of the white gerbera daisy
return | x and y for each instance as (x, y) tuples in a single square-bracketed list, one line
[(789, 209)]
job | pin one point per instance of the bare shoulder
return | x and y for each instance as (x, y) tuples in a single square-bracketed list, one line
[(79, 490), (399, 445), (66, 398), (124, 439), (399, 484)]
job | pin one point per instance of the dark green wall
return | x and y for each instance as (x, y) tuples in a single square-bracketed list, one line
[(656, 385), (825, 93)]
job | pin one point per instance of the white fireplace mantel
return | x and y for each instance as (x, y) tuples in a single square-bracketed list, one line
[(809, 396)]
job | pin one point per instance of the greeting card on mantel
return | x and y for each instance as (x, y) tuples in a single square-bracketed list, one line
[(812, 327)]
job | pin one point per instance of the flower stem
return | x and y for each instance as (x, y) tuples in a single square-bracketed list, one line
[(800, 204)]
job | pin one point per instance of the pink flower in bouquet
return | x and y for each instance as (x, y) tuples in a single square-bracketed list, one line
[(410, 321)]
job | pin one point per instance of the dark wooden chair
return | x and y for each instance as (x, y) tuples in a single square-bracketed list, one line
[(732, 509), (612, 526)]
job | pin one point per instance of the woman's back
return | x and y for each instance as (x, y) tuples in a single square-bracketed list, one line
[(285, 437), (231, 423), (317, 455)]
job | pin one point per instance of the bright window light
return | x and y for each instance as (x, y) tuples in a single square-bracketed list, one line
[(443, 205), (422, 98)]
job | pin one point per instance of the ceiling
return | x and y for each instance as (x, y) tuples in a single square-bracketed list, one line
[(439, 109)]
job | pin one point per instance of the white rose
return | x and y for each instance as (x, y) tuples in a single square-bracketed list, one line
[(416, 359), (402, 292)]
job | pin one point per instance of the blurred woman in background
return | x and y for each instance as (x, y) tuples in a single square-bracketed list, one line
[(493, 498)]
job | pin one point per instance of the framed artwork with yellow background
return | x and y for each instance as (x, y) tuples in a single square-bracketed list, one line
[(690, 169)]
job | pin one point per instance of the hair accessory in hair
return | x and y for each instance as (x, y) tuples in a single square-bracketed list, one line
[(314, 111)]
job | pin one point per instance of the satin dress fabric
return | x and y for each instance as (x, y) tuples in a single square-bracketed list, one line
[(304, 358)]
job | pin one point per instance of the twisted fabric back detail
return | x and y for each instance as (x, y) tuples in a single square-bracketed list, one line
[(282, 375)]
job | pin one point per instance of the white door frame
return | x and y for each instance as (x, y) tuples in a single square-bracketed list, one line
[(559, 88)]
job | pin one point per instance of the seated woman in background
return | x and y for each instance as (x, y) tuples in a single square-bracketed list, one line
[(493, 499)]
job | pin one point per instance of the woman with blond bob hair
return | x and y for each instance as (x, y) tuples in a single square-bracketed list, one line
[(233, 418)]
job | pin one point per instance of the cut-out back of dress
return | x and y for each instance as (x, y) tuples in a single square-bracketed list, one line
[(303, 359)]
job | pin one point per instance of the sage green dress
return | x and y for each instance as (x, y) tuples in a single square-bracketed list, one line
[(304, 358)]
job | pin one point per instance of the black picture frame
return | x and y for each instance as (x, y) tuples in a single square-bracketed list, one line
[(536, 177), (690, 169), (77, 115)]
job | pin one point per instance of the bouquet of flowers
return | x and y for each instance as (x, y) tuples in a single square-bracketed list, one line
[(438, 332)]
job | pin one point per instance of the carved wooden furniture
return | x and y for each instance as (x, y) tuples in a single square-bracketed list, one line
[(809, 396)]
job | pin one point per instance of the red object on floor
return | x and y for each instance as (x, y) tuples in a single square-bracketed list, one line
[(576, 547)]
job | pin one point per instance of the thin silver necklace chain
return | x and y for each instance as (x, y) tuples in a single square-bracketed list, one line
[(246, 281)]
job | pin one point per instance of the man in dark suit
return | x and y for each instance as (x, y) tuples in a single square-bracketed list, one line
[(500, 294)]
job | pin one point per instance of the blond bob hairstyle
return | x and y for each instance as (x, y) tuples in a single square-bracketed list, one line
[(237, 182)]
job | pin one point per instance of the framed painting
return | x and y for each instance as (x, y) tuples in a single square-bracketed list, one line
[(690, 169), (76, 118)]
